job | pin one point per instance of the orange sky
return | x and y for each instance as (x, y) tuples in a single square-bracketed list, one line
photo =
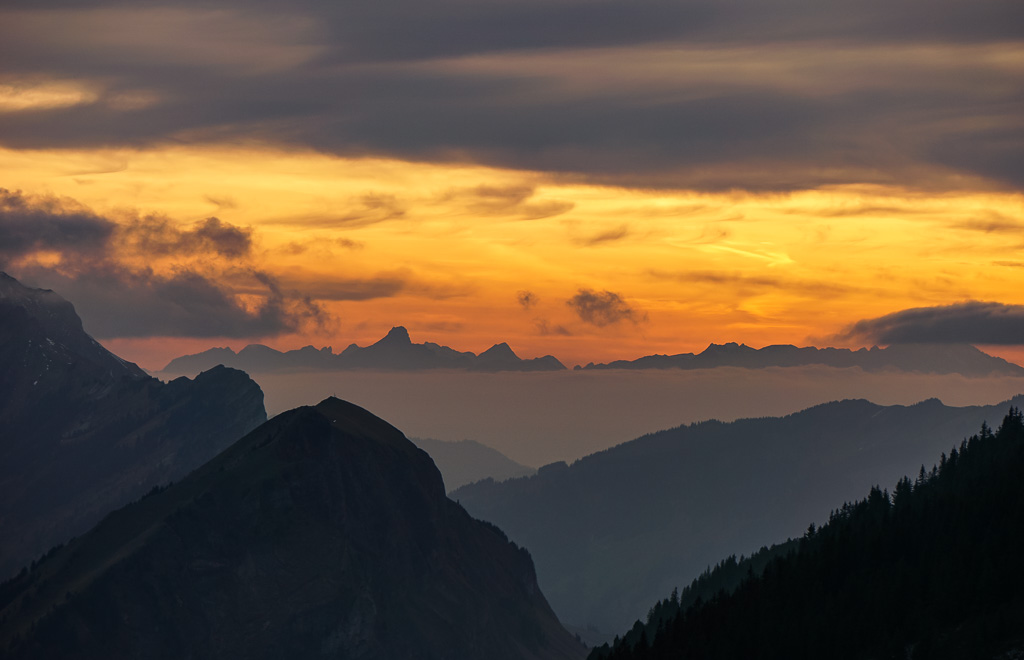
[(459, 243), (589, 180)]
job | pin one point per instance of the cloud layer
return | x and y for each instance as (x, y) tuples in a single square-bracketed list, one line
[(971, 322), (713, 95)]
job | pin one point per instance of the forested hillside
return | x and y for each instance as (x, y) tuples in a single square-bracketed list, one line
[(929, 571)]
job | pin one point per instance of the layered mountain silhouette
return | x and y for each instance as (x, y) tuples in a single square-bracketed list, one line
[(925, 358), (466, 461), (324, 532), (931, 571), (83, 432), (620, 528), (394, 352)]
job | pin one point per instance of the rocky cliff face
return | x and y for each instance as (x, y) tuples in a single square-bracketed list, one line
[(323, 533), (83, 432)]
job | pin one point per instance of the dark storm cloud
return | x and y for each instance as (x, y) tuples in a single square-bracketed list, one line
[(115, 302), (602, 308), (837, 93), (117, 299), (159, 235), (30, 224), (972, 322)]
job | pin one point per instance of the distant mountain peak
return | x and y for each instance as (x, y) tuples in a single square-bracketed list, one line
[(396, 335), (43, 327), (502, 350)]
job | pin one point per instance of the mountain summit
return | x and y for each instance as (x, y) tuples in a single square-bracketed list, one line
[(397, 336), (324, 532)]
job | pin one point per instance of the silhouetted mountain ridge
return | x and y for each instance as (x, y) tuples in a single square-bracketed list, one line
[(84, 432), (323, 532), (395, 352), (925, 358)]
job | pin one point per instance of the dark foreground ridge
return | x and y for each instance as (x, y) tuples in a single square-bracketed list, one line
[(930, 572), (83, 432), (324, 532), (618, 529), (394, 352)]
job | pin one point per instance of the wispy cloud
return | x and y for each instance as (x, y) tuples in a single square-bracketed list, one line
[(526, 299)]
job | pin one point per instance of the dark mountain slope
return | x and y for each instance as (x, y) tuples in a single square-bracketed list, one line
[(322, 533), (618, 529), (932, 572), (924, 358), (82, 432)]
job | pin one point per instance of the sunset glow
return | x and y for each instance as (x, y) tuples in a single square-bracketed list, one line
[(753, 189)]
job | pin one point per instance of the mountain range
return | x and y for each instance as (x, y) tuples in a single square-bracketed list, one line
[(324, 532), (394, 352), (618, 529), (924, 358), (83, 432)]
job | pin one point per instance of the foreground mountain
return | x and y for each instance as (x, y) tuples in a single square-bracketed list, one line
[(466, 461), (923, 358), (619, 529), (324, 532), (932, 572), (83, 432), (394, 352)]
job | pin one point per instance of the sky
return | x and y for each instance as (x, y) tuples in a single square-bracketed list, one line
[(595, 179)]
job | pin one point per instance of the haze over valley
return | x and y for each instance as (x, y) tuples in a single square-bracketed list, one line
[(536, 419)]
